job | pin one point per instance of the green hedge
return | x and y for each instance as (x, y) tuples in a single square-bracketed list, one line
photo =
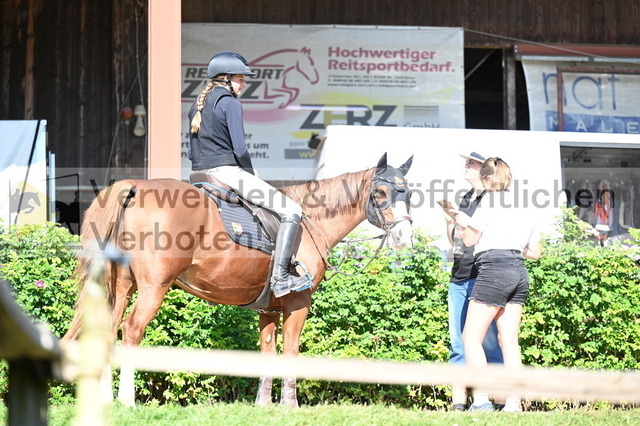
[(583, 311), (396, 310), (38, 261)]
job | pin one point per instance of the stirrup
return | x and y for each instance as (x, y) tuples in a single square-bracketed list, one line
[(292, 283)]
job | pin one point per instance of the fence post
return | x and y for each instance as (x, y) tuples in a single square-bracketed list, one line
[(95, 348), (33, 354), (28, 392)]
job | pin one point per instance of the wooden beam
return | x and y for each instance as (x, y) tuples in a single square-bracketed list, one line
[(164, 114), (546, 49), (528, 382), (509, 85), (28, 395), (29, 80), (33, 353)]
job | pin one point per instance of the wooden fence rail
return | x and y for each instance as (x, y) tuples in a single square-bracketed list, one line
[(35, 356), (528, 382)]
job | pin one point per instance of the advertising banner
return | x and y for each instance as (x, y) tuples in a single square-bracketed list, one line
[(596, 98), (23, 172), (309, 77)]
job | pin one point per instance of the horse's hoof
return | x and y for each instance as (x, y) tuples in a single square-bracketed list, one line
[(127, 401), (262, 401), (289, 397), (128, 404), (263, 398), (291, 403)]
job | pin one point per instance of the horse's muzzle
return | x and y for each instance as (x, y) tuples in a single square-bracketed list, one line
[(402, 232)]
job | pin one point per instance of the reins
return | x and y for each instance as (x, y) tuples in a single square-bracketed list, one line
[(336, 269)]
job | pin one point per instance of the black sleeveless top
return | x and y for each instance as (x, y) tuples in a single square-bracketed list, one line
[(463, 268)]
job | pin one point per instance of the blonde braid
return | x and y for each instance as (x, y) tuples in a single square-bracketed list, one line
[(197, 119)]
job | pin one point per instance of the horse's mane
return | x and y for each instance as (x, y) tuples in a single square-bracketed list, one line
[(327, 198)]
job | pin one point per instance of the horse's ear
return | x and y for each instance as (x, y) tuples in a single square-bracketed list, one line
[(382, 164), (406, 166)]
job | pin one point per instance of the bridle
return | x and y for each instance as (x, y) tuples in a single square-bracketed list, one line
[(398, 193)]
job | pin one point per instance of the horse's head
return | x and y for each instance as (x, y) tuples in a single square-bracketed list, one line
[(388, 205), (306, 66)]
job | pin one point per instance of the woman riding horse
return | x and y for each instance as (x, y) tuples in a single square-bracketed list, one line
[(218, 148)]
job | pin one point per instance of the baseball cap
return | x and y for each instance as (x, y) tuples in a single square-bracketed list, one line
[(473, 156)]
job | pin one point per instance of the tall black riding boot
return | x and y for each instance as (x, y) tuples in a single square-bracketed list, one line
[(282, 282)]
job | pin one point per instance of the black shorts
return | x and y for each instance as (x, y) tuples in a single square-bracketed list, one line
[(502, 278)]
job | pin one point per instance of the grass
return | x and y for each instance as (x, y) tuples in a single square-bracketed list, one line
[(356, 415)]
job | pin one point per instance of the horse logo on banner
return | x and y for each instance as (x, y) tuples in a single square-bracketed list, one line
[(283, 73), (25, 205), (24, 202)]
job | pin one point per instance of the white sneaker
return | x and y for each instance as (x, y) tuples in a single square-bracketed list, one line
[(512, 407)]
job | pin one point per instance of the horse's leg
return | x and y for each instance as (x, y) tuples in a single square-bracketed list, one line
[(296, 308), (268, 339), (123, 290), (146, 306)]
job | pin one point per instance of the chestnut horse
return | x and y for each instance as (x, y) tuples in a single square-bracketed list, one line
[(172, 232)]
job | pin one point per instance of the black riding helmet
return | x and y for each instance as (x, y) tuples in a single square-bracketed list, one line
[(229, 63)]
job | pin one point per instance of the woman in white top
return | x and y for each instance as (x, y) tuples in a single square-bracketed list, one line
[(504, 233)]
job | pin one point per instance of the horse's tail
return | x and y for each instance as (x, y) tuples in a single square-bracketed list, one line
[(100, 226)]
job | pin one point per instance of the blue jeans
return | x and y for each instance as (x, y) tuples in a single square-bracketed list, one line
[(458, 303)]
